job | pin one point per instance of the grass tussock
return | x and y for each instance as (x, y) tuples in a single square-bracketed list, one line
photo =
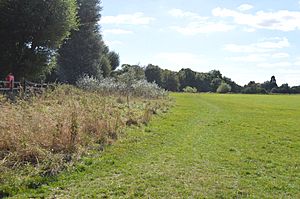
[(45, 133)]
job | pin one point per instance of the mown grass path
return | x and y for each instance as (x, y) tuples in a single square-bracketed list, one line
[(207, 146)]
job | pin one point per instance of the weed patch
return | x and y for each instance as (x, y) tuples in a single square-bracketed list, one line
[(41, 137)]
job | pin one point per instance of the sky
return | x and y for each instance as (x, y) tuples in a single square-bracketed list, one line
[(246, 40)]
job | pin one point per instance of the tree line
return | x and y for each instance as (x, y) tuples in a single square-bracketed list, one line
[(60, 40), (53, 40), (212, 81)]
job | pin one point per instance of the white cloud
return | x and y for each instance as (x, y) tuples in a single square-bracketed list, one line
[(283, 20), (250, 58), (262, 57), (275, 65), (137, 18), (280, 55), (274, 43), (184, 14), (198, 24), (117, 31), (249, 29), (297, 62), (178, 60), (245, 7), (194, 28), (262, 53), (266, 45)]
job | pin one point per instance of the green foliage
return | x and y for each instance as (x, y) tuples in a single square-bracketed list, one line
[(166, 79), (170, 80), (187, 77), (114, 59), (153, 74), (215, 74), (83, 52), (253, 88), (173, 81), (215, 83), (105, 66), (284, 88), (295, 89), (235, 88), (224, 88), (203, 82), (189, 89), (31, 31), (134, 72), (268, 86)]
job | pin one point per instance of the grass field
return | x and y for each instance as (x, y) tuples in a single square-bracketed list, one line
[(208, 145)]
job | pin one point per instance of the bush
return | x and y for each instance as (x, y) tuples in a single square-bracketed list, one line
[(190, 89), (224, 88), (142, 88), (88, 83), (110, 86), (275, 90)]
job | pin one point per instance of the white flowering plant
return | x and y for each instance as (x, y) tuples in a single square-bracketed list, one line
[(111, 86)]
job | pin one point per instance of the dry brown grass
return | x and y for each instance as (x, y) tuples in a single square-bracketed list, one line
[(59, 126)]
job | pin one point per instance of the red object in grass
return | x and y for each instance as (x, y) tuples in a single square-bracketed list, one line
[(10, 78)]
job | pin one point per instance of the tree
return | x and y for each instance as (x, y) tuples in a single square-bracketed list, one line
[(215, 74), (253, 88), (295, 89), (170, 80), (269, 85), (83, 52), (224, 88), (235, 88), (135, 70), (154, 74), (114, 60), (203, 82), (187, 77), (105, 66), (273, 79), (284, 88), (31, 31), (215, 83)]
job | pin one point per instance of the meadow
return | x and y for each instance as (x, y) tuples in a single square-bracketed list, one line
[(206, 146), (45, 134)]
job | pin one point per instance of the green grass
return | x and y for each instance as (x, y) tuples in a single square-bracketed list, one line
[(208, 145)]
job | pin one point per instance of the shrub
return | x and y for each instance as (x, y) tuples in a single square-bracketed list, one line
[(274, 90), (88, 83), (224, 88), (110, 86), (145, 89), (190, 89)]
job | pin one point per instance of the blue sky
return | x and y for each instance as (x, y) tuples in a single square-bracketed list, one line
[(245, 40)]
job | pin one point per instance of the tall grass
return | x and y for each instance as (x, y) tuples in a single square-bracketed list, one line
[(59, 126)]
